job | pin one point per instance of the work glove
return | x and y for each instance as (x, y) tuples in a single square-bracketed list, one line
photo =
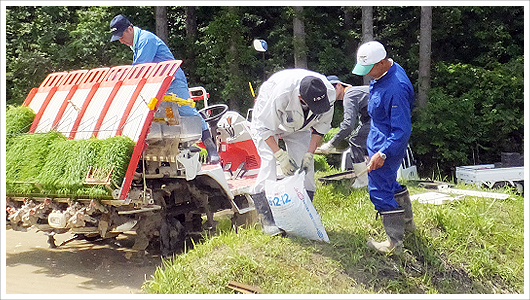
[(287, 164), (327, 148), (307, 161)]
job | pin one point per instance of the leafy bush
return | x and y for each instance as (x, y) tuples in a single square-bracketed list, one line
[(473, 114)]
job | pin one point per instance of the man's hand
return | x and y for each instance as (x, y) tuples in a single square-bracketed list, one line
[(376, 162), (326, 148), (307, 161), (287, 164)]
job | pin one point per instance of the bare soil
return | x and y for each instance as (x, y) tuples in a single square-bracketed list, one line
[(78, 267)]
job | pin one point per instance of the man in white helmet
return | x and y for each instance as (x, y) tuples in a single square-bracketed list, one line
[(390, 105), (296, 105)]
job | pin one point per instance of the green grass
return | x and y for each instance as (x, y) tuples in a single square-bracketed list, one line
[(469, 246)]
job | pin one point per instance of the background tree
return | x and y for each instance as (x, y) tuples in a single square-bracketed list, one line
[(299, 44), (368, 30), (161, 22), (424, 80)]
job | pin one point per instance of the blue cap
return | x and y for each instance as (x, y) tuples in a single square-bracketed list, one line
[(117, 26), (333, 79)]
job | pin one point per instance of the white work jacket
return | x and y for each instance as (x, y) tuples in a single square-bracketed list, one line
[(278, 110)]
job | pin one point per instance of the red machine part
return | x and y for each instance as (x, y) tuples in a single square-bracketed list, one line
[(238, 152)]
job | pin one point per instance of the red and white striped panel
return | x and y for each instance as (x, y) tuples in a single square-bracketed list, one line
[(69, 111), (44, 119), (134, 120), (141, 117), (37, 96), (109, 122), (86, 120), (103, 102)]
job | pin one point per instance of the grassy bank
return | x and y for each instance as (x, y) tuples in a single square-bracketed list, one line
[(469, 246)]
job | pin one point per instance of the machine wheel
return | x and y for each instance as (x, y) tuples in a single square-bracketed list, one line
[(172, 236)]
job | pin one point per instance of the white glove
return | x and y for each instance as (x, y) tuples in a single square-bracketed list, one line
[(327, 148), (287, 164), (307, 161)]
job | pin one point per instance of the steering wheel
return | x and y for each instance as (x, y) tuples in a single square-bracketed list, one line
[(213, 113)]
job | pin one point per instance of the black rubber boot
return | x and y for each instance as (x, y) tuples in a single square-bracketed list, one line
[(265, 214), (403, 199), (394, 223), (311, 195), (213, 156)]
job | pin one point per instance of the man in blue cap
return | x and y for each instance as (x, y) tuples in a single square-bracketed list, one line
[(149, 48), (356, 120), (390, 104)]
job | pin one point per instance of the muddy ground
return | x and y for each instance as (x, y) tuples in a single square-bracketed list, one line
[(79, 267)]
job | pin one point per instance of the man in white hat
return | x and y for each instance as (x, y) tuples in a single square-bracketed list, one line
[(390, 105)]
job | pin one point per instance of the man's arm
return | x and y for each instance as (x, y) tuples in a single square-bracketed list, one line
[(316, 138), (272, 144), (348, 122)]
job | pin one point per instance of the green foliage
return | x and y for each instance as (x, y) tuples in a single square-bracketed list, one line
[(473, 115), (36, 39), (89, 46), (478, 35), (225, 59)]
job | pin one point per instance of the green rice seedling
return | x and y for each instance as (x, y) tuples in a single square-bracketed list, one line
[(329, 134), (18, 121), (55, 165), (321, 164), (26, 155), (83, 156), (59, 166), (115, 152)]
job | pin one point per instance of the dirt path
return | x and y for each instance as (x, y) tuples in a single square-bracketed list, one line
[(79, 267)]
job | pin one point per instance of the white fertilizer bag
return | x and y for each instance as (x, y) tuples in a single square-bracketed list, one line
[(292, 208)]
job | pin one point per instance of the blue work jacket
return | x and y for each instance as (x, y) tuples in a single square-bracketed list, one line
[(390, 105), (149, 48)]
